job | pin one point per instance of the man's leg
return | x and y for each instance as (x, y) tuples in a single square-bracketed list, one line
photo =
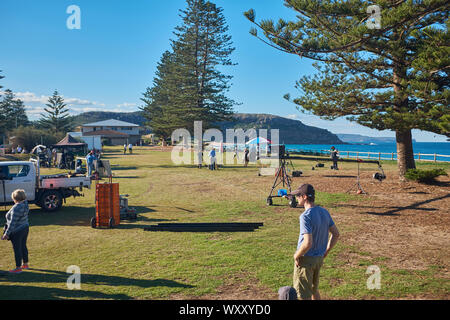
[(316, 275), (303, 280)]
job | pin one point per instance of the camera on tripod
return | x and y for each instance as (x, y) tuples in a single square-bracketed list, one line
[(282, 154)]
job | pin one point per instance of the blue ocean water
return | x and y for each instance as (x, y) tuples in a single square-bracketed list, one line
[(425, 149)]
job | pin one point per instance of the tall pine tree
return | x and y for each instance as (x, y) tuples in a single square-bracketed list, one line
[(12, 113), (188, 85), (56, 117), (392, 76)]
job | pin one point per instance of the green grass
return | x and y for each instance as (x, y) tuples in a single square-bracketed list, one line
[(129, 263)]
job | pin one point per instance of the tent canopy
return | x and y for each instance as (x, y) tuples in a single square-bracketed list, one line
[(259, 140), (69, 141)]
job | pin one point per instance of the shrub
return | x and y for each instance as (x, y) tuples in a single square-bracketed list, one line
[(28, 137), (424, 176)]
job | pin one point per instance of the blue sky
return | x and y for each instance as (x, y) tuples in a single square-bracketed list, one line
[(109, 62)]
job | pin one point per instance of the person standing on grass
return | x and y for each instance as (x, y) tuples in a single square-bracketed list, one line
[(200, 158), (313, 243), (334, 157), (212, 159), (246, 157), (130, 148), (90, 162), (124, 148), (17, 228)]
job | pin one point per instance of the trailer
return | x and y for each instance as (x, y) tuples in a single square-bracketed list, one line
[(47, 191)]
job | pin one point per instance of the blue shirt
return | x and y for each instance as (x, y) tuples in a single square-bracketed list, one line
[(316, 221), (90, 158)]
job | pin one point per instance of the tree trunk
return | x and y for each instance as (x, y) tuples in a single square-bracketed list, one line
[(405, 153)]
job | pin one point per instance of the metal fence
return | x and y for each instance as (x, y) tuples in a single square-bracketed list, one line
[(434, 157)]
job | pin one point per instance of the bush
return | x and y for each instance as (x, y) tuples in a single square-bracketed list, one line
[(28, 137), (424, 176)]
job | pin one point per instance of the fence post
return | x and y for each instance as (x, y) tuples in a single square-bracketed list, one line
[(392, 156), (435, 157), (419, 156), (379, 156)]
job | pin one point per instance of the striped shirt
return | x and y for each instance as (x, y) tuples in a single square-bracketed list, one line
[(17, 218)]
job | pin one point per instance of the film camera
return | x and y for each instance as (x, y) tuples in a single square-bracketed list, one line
[(282, 154)]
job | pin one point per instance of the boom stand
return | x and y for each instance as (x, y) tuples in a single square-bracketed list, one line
[(281, 177), (357, 184)]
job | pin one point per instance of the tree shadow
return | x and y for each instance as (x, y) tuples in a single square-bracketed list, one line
[(52, 276), (125, 177), (414, 206), (40, 293), (122, 168), (328, 176)]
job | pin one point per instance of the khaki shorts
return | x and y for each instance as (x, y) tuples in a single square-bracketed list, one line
[(306, 276)]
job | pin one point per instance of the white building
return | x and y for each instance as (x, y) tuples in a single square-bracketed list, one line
[(116, 132)]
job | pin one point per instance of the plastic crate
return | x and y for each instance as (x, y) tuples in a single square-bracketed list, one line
[(107, 204)]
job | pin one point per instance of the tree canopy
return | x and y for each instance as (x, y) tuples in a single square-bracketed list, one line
[(188, 85), (56, 117), (393, 76)]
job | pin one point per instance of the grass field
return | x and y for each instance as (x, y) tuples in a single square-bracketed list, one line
[(129, 263)]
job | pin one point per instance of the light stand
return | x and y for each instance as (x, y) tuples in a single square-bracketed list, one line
[(281, 177), (358, 184)]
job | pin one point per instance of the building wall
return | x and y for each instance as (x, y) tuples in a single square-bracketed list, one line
[(127, 130)]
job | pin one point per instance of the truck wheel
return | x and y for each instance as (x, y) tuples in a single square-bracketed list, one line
[(51, 201), (94, 222)]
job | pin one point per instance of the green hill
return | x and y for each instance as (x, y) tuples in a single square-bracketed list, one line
[(291, 131)]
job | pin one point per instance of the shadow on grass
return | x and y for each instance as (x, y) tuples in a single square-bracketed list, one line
[(76, 216), (340, 176), (51, 276), (394, 210), (40, 293)]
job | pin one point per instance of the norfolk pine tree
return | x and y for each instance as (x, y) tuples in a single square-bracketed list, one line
[(390, 77), (12, 113), (188, 86), (56, 118)]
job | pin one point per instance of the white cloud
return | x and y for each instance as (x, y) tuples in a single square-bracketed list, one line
[(126, 105), (30, 97), (292, 116)]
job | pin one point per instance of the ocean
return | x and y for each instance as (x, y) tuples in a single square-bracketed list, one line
[(424, 150)]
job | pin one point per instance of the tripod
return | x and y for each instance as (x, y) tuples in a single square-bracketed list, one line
[(358, 184), (282, 177)]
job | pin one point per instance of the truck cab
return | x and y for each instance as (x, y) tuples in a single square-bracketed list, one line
[(17, 175), (49, 192)]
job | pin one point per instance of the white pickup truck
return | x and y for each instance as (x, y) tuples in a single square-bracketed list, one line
[(48, 192)]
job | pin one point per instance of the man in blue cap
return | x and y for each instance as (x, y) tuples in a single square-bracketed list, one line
[(313, 243)]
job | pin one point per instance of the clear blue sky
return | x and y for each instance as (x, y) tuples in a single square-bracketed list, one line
[(109, 62)]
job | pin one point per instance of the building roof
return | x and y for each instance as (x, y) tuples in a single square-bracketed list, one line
[(106, 134), (110, 123), (70, 141)]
